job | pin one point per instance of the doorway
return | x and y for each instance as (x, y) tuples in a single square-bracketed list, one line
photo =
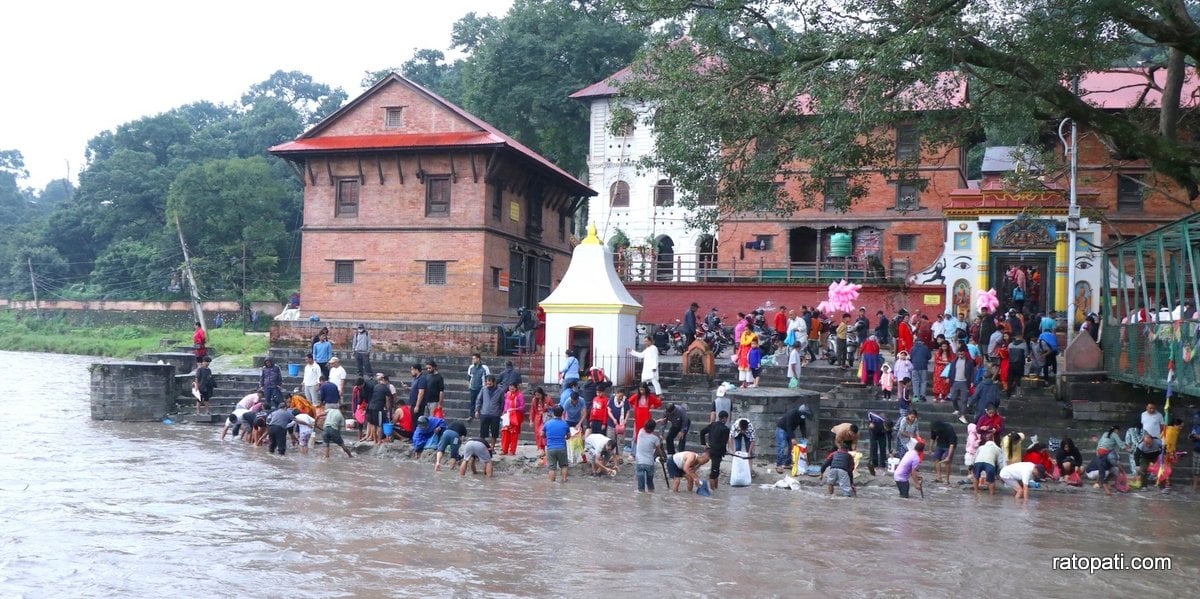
[(580, 340), (1036, 271), (802, 244)]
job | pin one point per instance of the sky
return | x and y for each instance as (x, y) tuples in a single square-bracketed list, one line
[(72, 69)]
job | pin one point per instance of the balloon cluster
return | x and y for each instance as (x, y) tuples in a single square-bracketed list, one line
[(987, 299), (841, 297)]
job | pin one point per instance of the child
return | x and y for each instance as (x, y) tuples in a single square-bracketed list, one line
[(908, 469), (903, 367), (305, 423), (794, 362), (754, 359), (886, 382), (903, 397), (972, 448)]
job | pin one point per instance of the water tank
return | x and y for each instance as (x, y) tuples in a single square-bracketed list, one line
[(840, 245)]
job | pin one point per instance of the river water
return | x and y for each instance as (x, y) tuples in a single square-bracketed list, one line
[(93, 509)]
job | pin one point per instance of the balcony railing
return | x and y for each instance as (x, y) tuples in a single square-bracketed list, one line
[(635, 267)]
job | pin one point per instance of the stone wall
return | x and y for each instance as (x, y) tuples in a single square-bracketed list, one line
[(392, 337), (764, 406), (132, 391)]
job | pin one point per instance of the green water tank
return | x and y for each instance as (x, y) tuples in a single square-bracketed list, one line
[(840, 245)]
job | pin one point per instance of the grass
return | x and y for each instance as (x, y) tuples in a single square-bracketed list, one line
[(24, 332)]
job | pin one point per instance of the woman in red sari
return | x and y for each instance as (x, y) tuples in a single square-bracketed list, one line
[(1002, 351), (514, 406), (941, 358), (537, 413), (643, 401)]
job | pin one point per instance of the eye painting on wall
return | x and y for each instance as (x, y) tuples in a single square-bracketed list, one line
[(962, 263), (961, 297)]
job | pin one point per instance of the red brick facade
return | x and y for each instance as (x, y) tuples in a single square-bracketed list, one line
[(434, 215), (874, 221)]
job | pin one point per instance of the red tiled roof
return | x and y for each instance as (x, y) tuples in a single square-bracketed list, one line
[(309, 140), (605, 88), (1119, 89), (391, 141)]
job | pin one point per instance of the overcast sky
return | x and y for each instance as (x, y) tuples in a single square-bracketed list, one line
[(71, 69)]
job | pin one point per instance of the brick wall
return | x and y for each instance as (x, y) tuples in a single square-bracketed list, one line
[(665, 302), (393, 337)]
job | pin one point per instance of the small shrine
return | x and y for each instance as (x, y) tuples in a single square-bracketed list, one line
[(591, 313), (1000, 238)]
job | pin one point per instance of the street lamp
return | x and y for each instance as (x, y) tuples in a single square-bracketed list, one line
[(1072, 221)]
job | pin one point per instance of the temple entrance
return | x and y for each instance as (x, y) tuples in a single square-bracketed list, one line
[(1034, 272)]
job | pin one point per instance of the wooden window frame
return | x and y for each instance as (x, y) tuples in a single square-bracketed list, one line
[(908, 143), (432, 275), (431, 205), (901, 238), (619, 190), (388, 114), (1124, 205), (338, 273), (342, 208), (830, 196)]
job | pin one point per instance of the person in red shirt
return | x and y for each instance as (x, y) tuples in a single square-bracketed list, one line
[(538, 409), (991, 422), (781, 321), (199, 341), (904, 335), (643, 401), (1039, 454), (598, 411)]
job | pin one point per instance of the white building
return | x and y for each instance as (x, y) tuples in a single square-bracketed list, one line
[(592, 314), (638, 202)]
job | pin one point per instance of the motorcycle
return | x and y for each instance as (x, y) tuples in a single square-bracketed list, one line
[(662, 339), (677, 338), (851, 348), (717, 338)]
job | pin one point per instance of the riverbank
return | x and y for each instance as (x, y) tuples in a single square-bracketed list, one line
[(25, 332), (526, 463)]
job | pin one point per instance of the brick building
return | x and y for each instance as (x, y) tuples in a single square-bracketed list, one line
[(415, 210)]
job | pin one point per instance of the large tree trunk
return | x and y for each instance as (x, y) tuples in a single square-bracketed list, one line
[(1168, 116)]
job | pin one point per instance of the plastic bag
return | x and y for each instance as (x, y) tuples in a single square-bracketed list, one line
[(360, 415), (739, 472), (438, 412), (793, 383), (800, 458), (574, 448), (504, 420), (790, 340)]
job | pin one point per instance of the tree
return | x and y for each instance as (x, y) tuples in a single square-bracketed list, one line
[(311, 100), (808, 91), (223, 207), (523, 68)]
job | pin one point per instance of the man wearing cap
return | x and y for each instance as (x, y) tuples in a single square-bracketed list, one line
[(427, 428), (361, 346), (337, 375), (271, 383)]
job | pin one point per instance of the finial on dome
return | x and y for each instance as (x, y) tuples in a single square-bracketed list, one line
[(591, 238)]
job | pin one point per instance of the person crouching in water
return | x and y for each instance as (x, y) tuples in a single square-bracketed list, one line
[(602, 453), (906, 472), (683, 464), (838, 469), (474, 451), (332, 431)]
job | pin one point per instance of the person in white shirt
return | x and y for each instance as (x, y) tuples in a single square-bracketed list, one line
[(1018, 475), (312, 378), (337, 375), (794, 362), (1152, 421), (649, 358), (987, 462)]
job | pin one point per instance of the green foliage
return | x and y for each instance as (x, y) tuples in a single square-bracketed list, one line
[(20, 331), (764, 89), (523, 67)]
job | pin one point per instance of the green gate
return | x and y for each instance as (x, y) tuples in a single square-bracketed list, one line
[(1148, 281)]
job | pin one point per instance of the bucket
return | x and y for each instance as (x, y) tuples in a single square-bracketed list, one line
[(293, 370), (387, 429)]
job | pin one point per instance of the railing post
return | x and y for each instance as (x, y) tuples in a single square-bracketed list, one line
[(761, 265)]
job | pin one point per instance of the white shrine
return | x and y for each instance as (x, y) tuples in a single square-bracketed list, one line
[(591, 312)]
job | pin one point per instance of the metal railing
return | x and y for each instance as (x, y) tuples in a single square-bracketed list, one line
[(638, 267), (620, 370)]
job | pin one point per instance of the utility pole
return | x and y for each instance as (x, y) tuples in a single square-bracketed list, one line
[(245, 304), (33, 283), (187, 269)]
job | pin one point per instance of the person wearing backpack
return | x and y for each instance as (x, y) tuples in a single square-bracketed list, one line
[(1047, 350)]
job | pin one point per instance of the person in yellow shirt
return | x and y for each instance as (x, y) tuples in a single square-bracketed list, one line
[(843, 328)]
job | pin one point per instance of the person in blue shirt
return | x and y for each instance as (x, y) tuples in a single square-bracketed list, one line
[(556, 430), (1047, 346), (322, 352), (573, 407), (570, 370), (427, 428), (755, 361), (1048, 322)]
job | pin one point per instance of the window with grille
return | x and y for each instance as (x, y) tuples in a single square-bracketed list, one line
[(618, 195), (343, 272), (347, 198), (1130, 193), (664, 193), (906, 243), (435, 272), (908, 196), (498, 202), (394, 118), (835, 194), (437, 195), (908, 143)]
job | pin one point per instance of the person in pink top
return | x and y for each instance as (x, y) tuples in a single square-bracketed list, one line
[(906, 472), (514, 406)]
